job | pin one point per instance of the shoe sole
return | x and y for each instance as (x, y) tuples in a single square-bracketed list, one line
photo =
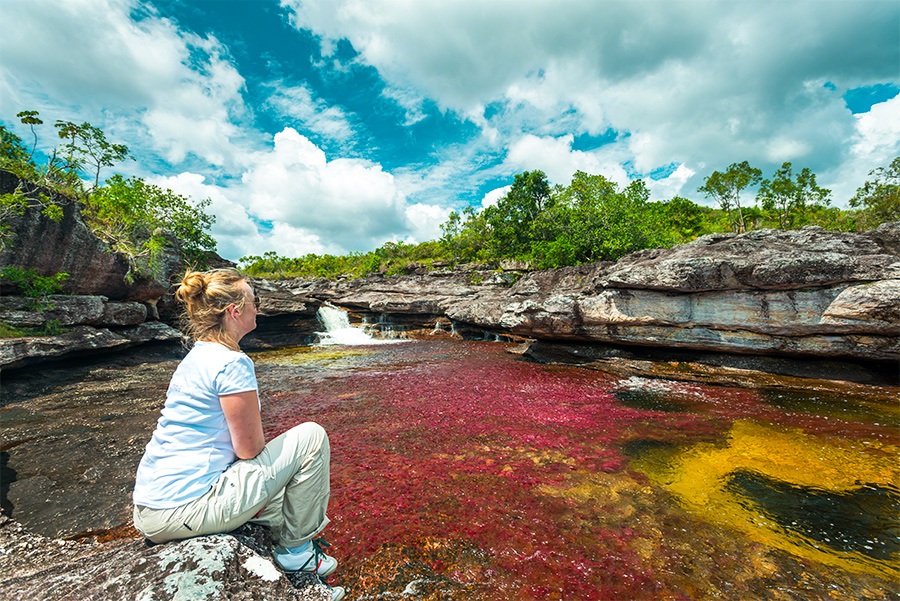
[(321, 574)]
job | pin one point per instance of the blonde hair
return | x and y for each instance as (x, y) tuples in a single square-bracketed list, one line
[(207, 295)]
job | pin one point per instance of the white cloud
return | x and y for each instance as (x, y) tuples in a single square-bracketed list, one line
[(698, 83), (555, 157), (89, 59), (235, 232), (425, 221), (875, 143), (298, 103), (294, 201), (670, 186), (352, 204), (494, 196)]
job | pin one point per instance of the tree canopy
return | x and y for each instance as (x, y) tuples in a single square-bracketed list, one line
[(136, 218)]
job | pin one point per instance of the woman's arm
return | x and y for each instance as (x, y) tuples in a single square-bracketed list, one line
[(244, 423)]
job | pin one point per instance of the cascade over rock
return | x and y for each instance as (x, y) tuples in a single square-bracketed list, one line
[(809, 292)]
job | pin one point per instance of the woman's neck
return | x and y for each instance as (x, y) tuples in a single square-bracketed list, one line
[(225, 341)]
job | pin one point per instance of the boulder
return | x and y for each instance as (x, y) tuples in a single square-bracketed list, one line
[(760, 259), (71, 310), (18, 352), (69, 246), (235, 566)]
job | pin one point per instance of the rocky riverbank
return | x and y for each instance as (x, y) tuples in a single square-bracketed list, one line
[(806, 293)]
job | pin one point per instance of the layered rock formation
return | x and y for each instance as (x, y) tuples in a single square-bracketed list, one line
[(810, 292), (69, 246), (91, 324)]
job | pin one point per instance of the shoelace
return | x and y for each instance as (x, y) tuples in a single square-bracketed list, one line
[(318, 554)]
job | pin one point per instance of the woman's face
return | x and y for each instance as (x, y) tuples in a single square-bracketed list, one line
[(245, 317)]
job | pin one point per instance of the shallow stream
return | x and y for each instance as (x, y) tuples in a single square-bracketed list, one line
[(460, 471)]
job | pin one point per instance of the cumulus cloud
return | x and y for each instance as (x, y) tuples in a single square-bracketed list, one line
[(234, 230), (86, 59), (683, 81), (352, 204), (494, 196), (875, 143), (556, 158), (425, 221)]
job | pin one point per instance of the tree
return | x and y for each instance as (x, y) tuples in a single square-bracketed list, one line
[(790, 198), (87, 146), (591, 220), (511, 219), (725, 188), (685, 218), (879, 197), (133, 217)]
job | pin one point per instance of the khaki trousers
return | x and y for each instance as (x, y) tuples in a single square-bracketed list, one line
[(285, 487)]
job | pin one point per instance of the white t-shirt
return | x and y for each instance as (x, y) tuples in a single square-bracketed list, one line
[(191, 445)]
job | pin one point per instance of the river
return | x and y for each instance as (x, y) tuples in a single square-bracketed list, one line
[(461, 471)]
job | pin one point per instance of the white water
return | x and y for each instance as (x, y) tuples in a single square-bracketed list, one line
[(339, 331)]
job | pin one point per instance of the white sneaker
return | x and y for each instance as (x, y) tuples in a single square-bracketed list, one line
[(307, 558), (337, 592)]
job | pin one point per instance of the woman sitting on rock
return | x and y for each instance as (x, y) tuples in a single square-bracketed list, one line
[(207, 468)]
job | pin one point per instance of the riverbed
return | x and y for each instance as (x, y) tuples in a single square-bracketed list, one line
[(462, 471)]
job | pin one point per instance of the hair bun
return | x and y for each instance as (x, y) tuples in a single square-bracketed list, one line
[(192, 285)]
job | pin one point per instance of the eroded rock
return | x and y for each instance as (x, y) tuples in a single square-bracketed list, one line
[(224, 566)]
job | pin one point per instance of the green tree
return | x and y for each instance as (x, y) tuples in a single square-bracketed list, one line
[(725, 188), (879, 197), (592, 220), (790, 197), (86, 147), (18, 160), (685, 219), (466, 236), (511, 219), (134, 216)]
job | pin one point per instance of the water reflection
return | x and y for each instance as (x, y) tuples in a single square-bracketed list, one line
[(831, 500), (833, 405), (862, 520)]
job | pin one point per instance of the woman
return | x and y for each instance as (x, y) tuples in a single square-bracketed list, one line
[(207, 468)]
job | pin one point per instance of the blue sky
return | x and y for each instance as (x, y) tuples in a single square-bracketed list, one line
[(330, 126)]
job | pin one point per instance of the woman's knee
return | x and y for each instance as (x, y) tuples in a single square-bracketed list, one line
[(312, 433)]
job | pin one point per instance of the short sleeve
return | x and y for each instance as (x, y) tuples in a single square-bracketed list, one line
[(237, 376)]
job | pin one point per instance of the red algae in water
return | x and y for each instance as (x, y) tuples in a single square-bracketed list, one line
[(458, 467)]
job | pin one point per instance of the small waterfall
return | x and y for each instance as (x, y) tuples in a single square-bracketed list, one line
[(339, 331)]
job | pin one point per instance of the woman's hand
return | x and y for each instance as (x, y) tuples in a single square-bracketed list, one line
[(244, 423)]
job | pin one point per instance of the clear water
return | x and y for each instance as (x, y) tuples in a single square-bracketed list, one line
[(460, 471)]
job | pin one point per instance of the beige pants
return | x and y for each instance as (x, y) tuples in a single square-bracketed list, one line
[(285, 487)]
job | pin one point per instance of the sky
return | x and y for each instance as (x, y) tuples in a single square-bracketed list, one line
[(334, 126)]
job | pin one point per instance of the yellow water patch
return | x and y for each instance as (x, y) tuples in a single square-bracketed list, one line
[(307, 355), (699, 476)]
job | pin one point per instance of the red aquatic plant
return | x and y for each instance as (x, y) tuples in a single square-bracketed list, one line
[(448, 462)]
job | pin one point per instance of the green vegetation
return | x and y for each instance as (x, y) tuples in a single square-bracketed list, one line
[(36, 287), (135, 218), (593, 219), (879, 197)]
